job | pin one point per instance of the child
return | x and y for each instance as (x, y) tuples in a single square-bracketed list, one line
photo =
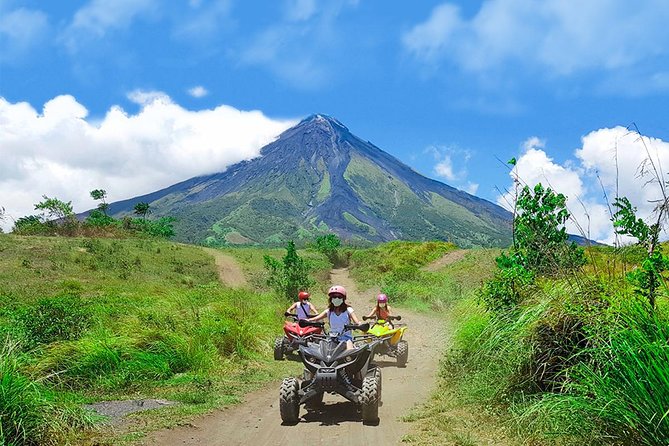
[(382, 309), (305, 309), (339, 313)]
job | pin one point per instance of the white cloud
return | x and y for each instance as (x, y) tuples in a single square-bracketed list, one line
[(59, 152), (578, 179), (471, 188), (95, 19), (20, 30), (198, 91), (444, 168), (303, 47), (560, 37)]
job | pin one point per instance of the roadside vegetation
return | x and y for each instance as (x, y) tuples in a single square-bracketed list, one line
[(88, 319), (561, 345)]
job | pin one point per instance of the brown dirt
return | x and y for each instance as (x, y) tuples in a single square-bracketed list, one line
[(337, 422), (229, 271), (447, 259)]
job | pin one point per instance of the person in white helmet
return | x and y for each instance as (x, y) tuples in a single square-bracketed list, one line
[(339, 313)]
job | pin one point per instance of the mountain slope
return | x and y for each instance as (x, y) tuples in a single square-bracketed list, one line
[(318, 177)]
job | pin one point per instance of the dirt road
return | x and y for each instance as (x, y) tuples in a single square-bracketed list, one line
[(337, 422), (228, 270)]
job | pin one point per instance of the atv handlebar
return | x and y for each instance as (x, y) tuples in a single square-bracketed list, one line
[(389, 318), (295, 316), (361, 327), (305, 323)]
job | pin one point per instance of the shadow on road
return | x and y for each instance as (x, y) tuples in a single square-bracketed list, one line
[(333, 414)]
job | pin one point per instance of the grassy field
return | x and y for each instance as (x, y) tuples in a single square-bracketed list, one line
[(85, 320)]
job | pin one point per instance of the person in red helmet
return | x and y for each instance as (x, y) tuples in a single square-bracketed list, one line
[(339, 313), (305, 309), (382, 309)]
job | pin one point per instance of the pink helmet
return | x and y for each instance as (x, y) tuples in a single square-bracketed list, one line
[(337, 289), (382, 298)]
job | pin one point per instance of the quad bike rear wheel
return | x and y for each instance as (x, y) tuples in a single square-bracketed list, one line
[(402, 353), (289, 401), (278, 349), (369, 398)]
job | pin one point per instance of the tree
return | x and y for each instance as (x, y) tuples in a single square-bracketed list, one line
[(2, 217), (101, 194), (142, 209), (540, 234), (56, 209), (328, 245), (289, 275), (648, 278)]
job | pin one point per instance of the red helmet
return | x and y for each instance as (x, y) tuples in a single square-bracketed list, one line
[(337, 289), (303, 295), (382, 298)]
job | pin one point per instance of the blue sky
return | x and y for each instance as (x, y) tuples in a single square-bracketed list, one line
[(446, 86)]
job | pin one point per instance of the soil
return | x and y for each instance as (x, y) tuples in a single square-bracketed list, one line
[(229, 271), (116, 410), (337, 422)]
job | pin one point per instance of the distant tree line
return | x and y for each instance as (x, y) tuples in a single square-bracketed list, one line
[(57, 217)]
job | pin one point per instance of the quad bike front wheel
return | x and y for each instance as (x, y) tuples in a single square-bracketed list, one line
[(402, 353), (370, 397), (278, 349), (289, 401)]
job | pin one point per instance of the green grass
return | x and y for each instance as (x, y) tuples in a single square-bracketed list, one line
[(93, 320)]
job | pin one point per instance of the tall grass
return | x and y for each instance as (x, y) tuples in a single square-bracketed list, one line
[(29, 412)]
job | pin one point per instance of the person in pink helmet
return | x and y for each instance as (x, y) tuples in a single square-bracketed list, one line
[(339, 313), (382, 309)]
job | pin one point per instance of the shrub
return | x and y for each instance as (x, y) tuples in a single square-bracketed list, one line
[(290, 275)]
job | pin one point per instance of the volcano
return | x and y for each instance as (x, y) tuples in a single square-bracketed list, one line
[(318, 178)]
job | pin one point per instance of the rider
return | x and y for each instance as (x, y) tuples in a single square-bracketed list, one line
[(339, 313), (305, 309), (382, 309)]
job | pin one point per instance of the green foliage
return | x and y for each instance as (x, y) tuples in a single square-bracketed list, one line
[(142, 209), (55, 208), (540, 237), (101, 195), (290, 275), (506, 289), (163, 227), (27, 225), (99, 218), (329, 246), (648, 278)]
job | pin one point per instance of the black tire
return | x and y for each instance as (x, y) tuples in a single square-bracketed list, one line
[(278, 349), (377, 374), (289, 401), (369, 399), (402, 353)]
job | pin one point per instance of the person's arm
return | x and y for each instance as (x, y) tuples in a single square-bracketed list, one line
[(312, 308), (354, 318), (371, 313), (390, 311), (319, 317), (292, 307)]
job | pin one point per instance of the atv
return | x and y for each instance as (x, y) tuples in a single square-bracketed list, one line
[(390, 336), (330, 367), (295, 335)]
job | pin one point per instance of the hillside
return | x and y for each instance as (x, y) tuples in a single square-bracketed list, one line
[(318, 177)]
